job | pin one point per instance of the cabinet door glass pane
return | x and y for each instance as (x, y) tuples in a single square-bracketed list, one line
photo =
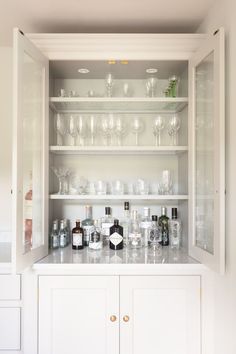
[(32, 113), (204, 159)]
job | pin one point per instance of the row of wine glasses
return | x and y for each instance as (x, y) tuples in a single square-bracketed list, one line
[(111, 127)]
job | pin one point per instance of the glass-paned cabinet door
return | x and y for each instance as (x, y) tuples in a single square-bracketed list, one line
[(29, 153), (207, 146)]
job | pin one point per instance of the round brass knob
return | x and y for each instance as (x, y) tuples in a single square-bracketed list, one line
[(113, 318), (126, 318)]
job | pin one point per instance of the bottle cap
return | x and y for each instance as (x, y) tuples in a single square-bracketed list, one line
[(154, 217), (126, 205), (107, 210), (116, 222), (174, 213), (163, 211)]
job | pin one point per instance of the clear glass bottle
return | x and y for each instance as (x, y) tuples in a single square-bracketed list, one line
[(135, 236), (125, 222), (95, 241), (77, 237), (145, 226), (155, 234), (175, 229), (116, 236), (67, 227), (163, 223), (87, 224), (106, 222), (54, 236), (62, 234)]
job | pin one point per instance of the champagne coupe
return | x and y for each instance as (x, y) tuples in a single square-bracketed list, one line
[(82, 130), (92, 127), (120, 130), (151, 86), (173, 127), (62, 174), (109, 82), (158, 126), (137, 127), (60, 128), (72, 128)]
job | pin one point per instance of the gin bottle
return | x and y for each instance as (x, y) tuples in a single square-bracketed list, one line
[(125, 222), (175, 229), (145, 226), (135, 237), (155, 233), (54, 236), (106, 222), (95, 241), (77, 237), (87, 224), (62, 234), (163, 223), (116, 236)]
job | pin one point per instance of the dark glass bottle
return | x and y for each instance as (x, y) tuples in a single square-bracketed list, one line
[(163, 223), (116, 236), (77, 237)]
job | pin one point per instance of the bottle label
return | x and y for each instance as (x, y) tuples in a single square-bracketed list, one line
[(106, 228), (87, 232), (135, 236), (77, 239), (145, 224), (115, 238)]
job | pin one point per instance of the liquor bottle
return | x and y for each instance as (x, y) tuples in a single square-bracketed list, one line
[(67, 227), (87, 224), (135, 236), (62, 234), (28, 214), (125, 223), (95, 241), (155, 233), (106, 222), (116, 236), (77, 237), (145, 226), (163, 223), (175, 229), (54, 236)]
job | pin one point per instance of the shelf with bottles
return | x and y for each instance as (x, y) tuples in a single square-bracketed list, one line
[(109, 197), (113, 150)]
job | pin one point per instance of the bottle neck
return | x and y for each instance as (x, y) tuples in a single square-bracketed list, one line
[(126, 213), (88, 213), (77, 224)]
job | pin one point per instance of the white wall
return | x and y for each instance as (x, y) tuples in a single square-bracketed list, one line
[(223, 15), (5, 141)]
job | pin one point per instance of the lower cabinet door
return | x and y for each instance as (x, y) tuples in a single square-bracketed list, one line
[(79, 315), (160, 315)]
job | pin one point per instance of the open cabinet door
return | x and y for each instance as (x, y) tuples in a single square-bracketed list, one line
[(207, 154), (30, 153)]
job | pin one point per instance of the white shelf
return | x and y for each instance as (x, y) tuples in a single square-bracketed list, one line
[(118, 197), (119, 104), (118, 150)]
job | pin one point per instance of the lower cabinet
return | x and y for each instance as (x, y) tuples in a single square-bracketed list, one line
[(126, 314)]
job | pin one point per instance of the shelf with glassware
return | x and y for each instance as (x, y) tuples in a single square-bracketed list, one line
[(107, 197)]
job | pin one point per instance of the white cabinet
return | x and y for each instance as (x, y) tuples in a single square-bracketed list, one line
[(75, 315), (10, 333), (87, 314)]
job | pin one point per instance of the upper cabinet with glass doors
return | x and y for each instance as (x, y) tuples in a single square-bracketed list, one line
[(136, 119)]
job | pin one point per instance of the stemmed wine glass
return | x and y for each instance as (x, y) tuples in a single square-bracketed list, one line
[(137, 127), (151, 86), (158, 126), (82, 130), (72, 128), (105, 129), (109, 82), (92, 128), (60, 128), (120, 129), (173, 128), (62, 174)]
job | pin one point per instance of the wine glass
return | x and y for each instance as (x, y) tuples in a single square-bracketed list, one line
[(62, 174), (82, 130), (120, 129), (105, 129), (109, 82), (137, 127), (59, 125), (72, 128), (158, 126), (111, 126), (173, 127), (92, 128), (151, 86)]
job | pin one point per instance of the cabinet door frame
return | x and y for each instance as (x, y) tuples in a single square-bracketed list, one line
[(213, 44), (21, 260)]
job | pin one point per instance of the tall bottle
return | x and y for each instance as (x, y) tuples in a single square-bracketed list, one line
[(95, 241), (54, 236), (163, 223), (175, 229), (28, 214), (155, 234), (106, 222), (135, 236), (145, 226), (77, 237), (116, 236), (125, 222), (87, 224), (62, 234)]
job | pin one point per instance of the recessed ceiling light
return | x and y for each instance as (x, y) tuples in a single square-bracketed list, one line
[(124, 62), (151, 71), (83, 71)]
